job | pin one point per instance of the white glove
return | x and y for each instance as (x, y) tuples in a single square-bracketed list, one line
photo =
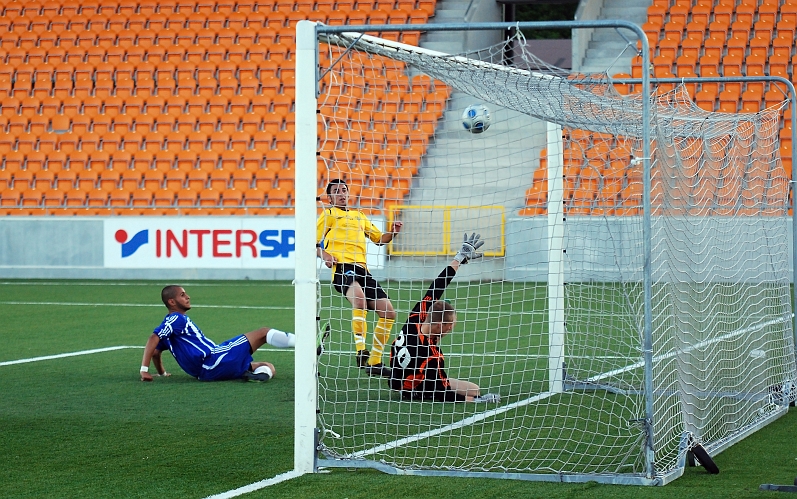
[(488, 397), (468, 250)]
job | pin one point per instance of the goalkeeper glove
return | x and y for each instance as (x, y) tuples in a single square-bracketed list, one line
[(488, 397), (468, 250)]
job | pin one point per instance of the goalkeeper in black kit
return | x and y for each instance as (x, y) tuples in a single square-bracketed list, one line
[(417, 366)]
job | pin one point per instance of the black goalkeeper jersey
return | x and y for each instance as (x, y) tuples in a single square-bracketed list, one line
[(417, 366)]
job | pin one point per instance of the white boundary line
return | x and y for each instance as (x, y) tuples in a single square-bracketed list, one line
[(63, 355), (500, 410), (459, 424), (92, 283), (496, 355), (158, 305), (257, 485), (224, 495)]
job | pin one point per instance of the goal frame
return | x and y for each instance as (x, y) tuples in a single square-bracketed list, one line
[(306, 314)]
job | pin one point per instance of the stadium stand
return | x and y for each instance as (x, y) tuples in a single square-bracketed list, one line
[(137, 107), (687, 38)]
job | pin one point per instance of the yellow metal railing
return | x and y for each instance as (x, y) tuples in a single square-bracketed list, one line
[(431, 230)]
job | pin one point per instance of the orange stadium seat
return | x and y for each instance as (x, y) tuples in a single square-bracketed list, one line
[(92, 89), (241, 179)]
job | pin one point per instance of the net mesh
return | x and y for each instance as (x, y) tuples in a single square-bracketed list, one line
[(390, 125)]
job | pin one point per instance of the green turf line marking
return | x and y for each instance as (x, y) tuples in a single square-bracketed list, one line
[(77, 304), (289, 475), (62, 355)]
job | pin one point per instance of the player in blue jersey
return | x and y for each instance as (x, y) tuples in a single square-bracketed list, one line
[(198, 355)]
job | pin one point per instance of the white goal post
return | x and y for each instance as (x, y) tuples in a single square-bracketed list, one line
[(633, 301)]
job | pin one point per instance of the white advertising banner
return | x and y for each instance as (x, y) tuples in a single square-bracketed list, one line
[(206, 242)]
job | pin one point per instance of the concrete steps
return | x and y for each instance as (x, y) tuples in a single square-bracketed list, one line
[(497, 166), (608, 50)]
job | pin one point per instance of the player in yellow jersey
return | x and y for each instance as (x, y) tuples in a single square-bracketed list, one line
[(342, 233)]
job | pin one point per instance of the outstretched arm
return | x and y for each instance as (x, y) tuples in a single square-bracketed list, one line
[(466, 253), (436, 290)]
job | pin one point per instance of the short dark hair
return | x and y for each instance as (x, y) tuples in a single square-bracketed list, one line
[(441, 311), (335, 181), (169, 293)]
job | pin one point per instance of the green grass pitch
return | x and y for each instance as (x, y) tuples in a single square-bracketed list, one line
[(84, 426)]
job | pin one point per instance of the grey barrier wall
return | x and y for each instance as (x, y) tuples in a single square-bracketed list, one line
[(598, 249), (72, 248), (610, 249)]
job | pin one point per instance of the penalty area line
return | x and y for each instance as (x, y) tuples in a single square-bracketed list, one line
[(64, 355), (283, 477)]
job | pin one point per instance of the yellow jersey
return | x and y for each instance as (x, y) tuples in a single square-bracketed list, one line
[(343, 233)]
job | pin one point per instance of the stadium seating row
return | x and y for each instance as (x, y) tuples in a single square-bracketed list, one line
[(134, 106), (142, 198), (263, 71), (144, 11), (117, 117), (66, 180), (392, 143), (174, 50), (31, 96), (177, 29), (251, 174), (366, 160), (374, 198)]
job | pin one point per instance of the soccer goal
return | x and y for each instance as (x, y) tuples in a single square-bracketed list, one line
[(634, 299)]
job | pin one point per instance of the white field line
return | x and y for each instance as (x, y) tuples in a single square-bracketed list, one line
[(490, 314), (696, 346), (257, 485), (81, 304), (500, 410), (63, 355), (459, 424), (495, 354), (104, 283)]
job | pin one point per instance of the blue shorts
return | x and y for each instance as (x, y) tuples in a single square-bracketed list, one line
[(230, 360)]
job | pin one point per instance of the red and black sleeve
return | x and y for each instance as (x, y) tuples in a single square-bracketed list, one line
[(434, 293)]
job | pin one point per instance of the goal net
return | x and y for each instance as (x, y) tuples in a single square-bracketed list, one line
[(557, 315)]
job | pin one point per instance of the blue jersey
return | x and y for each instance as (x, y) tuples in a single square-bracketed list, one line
[(186, 342)]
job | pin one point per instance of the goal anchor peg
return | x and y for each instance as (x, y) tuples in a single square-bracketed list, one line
[(779, 488)]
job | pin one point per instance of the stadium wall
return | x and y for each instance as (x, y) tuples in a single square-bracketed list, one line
[(261, 248)]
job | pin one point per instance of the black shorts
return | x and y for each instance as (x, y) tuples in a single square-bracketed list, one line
[(347, 273)]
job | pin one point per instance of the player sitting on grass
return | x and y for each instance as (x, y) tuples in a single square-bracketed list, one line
[(341, 233), (416, 362), (199, 356)]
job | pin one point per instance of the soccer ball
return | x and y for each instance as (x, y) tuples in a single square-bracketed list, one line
[(476, 118)]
